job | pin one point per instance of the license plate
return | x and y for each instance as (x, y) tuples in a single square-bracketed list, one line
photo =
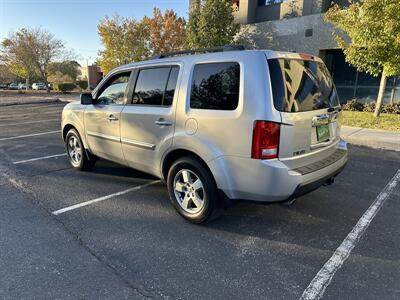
[(323, 133)]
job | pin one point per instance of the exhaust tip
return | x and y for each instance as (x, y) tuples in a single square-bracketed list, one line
[(330, 181), (289, 203)]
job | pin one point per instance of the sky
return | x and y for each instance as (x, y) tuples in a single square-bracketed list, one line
[(75, 22)]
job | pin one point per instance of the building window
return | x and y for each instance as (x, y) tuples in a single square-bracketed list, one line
[(269, 2), (235, 5), (351, 84)]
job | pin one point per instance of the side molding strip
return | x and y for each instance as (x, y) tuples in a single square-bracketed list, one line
[(104, 136), (138, 144)]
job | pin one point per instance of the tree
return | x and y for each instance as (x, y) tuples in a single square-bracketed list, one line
[(211, 24), (68, 68), (373, 27), (124, 39), (16, 55), (30, 51), (167, 31), (6, 76)]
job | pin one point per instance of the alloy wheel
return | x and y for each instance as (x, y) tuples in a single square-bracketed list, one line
[(189, 191), (74, 150)]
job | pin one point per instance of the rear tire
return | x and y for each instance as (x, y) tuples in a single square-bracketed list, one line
[(193, 191), (77, 155)]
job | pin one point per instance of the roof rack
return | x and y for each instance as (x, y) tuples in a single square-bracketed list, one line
[(205, 50)]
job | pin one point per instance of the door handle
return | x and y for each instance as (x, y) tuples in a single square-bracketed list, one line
[(162, 122), (112, 118)]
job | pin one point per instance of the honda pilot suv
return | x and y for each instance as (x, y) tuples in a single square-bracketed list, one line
[(217, 125)]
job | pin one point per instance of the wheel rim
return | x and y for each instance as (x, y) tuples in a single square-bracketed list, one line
[(189, 191), (74, 150)]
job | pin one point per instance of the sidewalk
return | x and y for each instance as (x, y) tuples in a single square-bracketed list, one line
[(371, 137)]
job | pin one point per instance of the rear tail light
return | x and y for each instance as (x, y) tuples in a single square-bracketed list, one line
[(265, 140)]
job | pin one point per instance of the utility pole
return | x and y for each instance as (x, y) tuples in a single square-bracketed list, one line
[(88, 72)]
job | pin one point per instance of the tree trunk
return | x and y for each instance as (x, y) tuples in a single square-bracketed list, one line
[(381, 93)]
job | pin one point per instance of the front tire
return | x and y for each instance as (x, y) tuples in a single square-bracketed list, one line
[(192, 190), (76, 153)]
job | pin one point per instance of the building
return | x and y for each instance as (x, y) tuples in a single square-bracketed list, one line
[(92, 72), (298, 25)]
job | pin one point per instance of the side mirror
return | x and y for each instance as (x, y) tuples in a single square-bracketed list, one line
[(86, 98)]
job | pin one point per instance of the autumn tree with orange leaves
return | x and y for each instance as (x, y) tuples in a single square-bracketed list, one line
[(128, 40), (167, 31)]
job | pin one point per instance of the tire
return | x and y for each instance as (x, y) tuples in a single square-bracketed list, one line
[(77, 155), (185, 194)]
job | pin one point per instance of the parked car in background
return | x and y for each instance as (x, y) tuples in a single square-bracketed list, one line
[(3, 86), (22, 86), (217, 127), (13, 86), (38, 86)]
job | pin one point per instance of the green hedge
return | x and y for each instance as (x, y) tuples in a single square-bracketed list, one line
[(82, 84), (63, 87), (389, 108)]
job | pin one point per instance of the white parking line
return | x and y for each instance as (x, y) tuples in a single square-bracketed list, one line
[(28, 135), (79, 205), (317, 287), (38, 158), (41, 121)]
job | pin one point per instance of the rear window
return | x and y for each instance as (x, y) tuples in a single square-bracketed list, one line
[(301, 85)]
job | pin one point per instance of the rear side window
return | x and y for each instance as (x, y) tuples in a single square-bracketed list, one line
[(301, 85), (215, 86), (156, 86)]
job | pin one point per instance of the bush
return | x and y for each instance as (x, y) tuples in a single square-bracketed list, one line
[(369, 107), (63, 87), (391, 108), (353, 105), (82, 84)]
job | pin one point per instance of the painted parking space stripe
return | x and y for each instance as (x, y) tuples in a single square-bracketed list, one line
[(30, 122), (79, 205), (28, 135), (38, 158), (316, 288)]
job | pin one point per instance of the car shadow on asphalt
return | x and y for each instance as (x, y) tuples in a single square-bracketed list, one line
[(109, 168)]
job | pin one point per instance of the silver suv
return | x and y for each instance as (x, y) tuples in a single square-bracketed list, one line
[(217, 125)]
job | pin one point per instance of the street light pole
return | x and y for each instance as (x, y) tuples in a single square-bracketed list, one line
[(88, 72)]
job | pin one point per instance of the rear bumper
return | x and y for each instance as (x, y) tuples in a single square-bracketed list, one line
[(309, 187), (272, 180)]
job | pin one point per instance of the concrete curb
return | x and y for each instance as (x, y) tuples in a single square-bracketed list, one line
[(53, 100), (69, 99), (382, 139)]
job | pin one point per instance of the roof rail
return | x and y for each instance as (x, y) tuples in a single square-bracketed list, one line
[(205, 50)]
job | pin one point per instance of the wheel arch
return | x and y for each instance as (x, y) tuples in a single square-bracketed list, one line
[(68, 127), (176, 154)]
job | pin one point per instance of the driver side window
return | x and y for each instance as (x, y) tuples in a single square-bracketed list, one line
[(114, 89)]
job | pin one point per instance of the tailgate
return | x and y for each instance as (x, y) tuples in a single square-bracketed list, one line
[(304, 93)]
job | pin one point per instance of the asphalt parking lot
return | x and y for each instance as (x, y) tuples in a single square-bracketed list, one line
[(134, 245)]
